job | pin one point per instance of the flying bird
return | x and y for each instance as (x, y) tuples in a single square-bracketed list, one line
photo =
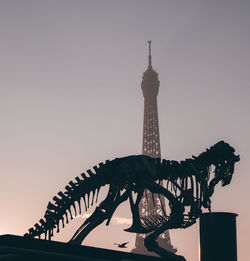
[(123, 245)]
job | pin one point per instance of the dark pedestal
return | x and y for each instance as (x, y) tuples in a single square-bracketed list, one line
[(26, 249), (218, 237)]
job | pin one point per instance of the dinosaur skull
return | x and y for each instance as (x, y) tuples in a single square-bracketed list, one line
[(225, 162)]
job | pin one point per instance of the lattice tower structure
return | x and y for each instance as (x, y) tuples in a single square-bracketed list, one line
[(151, 204)]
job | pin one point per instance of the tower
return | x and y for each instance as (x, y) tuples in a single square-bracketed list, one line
[(151, 147)]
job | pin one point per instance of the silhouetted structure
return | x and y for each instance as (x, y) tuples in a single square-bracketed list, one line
[(151, 147), (218, 237), (16, 248), (189, 187)]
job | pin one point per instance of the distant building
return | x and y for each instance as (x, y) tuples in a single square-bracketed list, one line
[(151, 147)]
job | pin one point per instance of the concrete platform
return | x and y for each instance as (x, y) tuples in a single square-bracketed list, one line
[(19, 248)]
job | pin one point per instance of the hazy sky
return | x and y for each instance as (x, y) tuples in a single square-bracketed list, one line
[(70, 97)]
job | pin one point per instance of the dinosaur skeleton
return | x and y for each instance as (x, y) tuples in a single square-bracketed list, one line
[(187, 185)]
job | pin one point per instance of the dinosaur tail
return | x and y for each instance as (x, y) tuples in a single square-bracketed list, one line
[(85, 188)]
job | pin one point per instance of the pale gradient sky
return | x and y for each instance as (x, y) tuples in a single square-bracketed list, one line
[(70, 97)]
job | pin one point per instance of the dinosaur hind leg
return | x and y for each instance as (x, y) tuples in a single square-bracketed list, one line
[(152, 246), (93, 221), (176, 219), (101, 213)]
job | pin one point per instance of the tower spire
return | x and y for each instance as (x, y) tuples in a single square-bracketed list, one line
[(149, 54), (150, 207)]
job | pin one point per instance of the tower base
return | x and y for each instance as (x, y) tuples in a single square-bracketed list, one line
[(140, 248)]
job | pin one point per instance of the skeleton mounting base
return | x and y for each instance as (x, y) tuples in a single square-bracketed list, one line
[(187, 185)]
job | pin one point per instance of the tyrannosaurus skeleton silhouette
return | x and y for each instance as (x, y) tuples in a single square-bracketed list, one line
[(188, 186)]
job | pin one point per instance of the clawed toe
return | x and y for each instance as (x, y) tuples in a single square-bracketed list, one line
[(150, 244)]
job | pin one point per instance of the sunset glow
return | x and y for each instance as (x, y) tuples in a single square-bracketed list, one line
[(70, 98)]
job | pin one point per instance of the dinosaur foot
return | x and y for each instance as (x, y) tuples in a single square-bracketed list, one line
[(137, 229), (153, 246)]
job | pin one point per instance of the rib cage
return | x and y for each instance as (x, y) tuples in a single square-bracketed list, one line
[(188, 180)]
